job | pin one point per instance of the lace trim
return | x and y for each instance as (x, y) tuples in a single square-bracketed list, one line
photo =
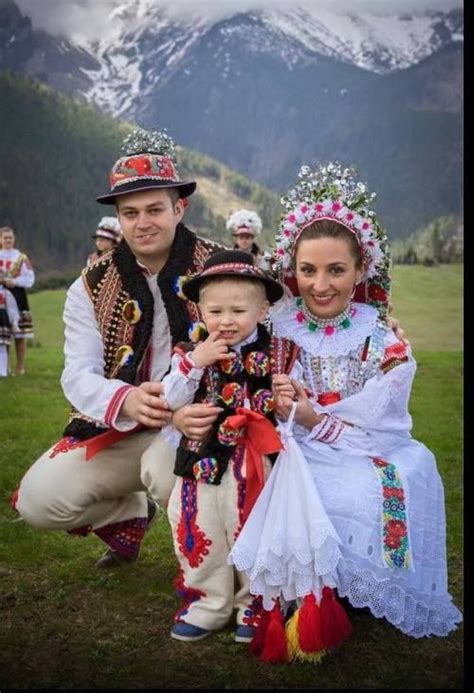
[(283, 318), (408, 612), (306, 569)]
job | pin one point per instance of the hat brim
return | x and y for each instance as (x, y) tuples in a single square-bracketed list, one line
[(106, 238), (247, 232), (273, 289), (185, 189)]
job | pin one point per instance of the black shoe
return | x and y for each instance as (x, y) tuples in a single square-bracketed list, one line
[(153, 508), (113, 559)]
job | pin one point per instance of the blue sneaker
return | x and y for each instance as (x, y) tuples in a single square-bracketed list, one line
[(244, 633), (187, 632)]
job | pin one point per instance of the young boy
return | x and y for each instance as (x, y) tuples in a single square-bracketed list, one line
[(220, 477)]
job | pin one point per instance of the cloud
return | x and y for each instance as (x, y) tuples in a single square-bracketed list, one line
[(89, 19)]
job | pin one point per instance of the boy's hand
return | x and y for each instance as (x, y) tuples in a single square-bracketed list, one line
[(210, 351)]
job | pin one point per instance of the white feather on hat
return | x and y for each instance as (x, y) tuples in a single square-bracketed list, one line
[(244, 218)]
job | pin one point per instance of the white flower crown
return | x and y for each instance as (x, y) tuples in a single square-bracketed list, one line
[(330, 192)]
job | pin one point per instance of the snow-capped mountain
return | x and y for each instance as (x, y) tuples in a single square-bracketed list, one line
[(144, 45), (266, 91)]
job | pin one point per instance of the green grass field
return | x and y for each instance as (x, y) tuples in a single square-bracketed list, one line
[(65, 625)]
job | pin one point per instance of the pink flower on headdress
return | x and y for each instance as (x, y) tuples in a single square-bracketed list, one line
[(336, 206), (280, 251), (304, 209), (365, 226), (350, 216), (287, 233), (319, 207), (291, 218)]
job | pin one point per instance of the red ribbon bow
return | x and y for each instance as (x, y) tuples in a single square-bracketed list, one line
[(260, 438)]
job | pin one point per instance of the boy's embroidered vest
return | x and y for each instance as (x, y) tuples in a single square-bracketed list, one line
[(242, 381), (124, 307)]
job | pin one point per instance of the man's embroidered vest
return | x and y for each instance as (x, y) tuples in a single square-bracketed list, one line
[(124, 308)]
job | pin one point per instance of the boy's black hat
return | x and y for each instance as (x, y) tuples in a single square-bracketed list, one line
[(232, 263)]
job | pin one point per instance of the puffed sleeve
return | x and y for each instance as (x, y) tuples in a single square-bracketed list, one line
[(26, 278)]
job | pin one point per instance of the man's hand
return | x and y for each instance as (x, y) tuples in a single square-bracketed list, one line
[(394, 325), (195, 420), (145, 405), (210, 351)]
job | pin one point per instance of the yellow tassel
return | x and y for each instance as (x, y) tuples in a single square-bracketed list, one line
[(294, 650)]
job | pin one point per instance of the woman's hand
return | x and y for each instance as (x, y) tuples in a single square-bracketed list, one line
[(304, 414), (281, 385), (195, 420)]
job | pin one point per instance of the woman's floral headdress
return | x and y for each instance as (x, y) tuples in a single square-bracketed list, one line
[(332, 192)]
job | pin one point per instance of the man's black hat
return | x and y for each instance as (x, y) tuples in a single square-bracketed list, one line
[(148, 163)]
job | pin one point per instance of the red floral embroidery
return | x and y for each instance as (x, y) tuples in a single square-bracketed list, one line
[(189, 595), (396, 528), (63, 445), (392, 541), (141, 164), (124, 537), (390, 492), (376, 293), (14, 499), (379, 462)]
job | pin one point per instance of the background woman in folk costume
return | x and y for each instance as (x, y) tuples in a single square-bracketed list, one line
[(372, 525), (245, 225), (19, 276), (107, 236)]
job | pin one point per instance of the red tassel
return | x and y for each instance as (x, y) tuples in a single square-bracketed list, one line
[(258, 640), (310, 637), (336, 626), (275, 648)]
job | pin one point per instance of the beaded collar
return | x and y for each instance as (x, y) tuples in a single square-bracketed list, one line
[(318, 342), (329, 325)]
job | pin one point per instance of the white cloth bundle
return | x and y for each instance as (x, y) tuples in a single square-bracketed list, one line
[(288, 547)]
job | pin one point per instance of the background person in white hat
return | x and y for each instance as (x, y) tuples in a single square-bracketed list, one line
[(245, 225), (106, 237)]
